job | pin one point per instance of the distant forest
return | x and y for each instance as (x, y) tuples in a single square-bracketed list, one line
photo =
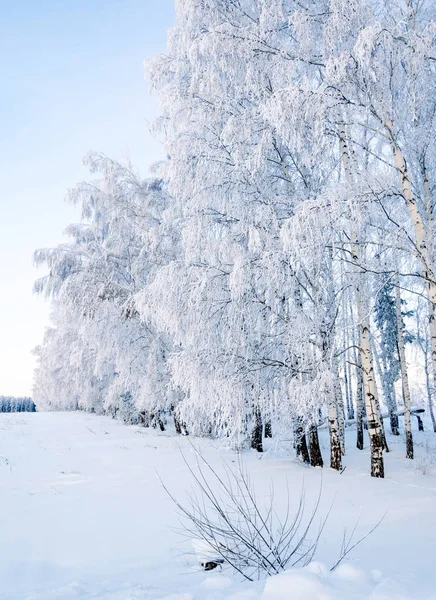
[(11, 404)]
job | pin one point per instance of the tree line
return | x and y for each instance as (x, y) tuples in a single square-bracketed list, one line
[(13, 404), (276, 274)]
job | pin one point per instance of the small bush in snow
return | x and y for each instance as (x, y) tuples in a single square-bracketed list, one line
[(231, 525)]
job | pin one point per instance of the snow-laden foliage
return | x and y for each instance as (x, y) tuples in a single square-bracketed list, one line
[(255, 284), (99, 355)]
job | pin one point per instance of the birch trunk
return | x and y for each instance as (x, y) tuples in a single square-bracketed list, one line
[(404, 374), (359, 403), (177, 425), (346, 365), (330, 362), (300, 440), (340, 408), (378, 409), (388, 392), (335, 439), (370, 393), (348, 389), (256, 434), (429, 213), (422, 246), (332, 412), (376, 437), (314, 447), (429, 389)]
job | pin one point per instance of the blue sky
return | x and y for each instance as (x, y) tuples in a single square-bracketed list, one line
[(72, 81)]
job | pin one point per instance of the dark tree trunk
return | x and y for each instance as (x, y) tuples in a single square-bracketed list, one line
[(268, 429), (144, 419), (393, 418), (420, 423), (359, 442), (383, 434), (409, 445), (382, 429), (155, 421), (300, 441), (315, 450), (177, 425), (256, 434)]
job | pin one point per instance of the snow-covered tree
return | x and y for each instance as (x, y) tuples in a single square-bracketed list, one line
[(256, 284), (100, 356)]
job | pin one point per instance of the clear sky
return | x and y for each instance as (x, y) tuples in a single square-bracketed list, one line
[(72, 81)]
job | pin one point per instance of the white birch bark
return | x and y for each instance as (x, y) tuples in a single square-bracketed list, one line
[(422, 246), (359, 402), (335, 441), (339, 407), (404, 373), (336, 438), (430, 389), (370, 393), (369, 382)]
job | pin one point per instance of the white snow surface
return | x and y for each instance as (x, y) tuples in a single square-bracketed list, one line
[(83, 515)]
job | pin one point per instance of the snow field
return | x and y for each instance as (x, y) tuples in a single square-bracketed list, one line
[(83, 515)]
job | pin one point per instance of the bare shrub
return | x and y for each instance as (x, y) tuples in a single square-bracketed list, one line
[(240, 530), (230, 525)]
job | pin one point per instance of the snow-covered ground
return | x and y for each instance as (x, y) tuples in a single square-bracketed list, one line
[(83, 515)]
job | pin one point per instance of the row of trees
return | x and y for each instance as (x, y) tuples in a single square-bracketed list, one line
[(13, 404), (263, 279)]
